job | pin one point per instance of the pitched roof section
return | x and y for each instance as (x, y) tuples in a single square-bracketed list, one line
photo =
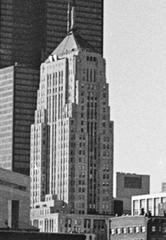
[(72, 42)]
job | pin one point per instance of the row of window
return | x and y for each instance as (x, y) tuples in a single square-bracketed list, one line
[(91, 59), (130, 230)]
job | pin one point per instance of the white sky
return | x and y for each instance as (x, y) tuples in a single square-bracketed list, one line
[(135, 51)]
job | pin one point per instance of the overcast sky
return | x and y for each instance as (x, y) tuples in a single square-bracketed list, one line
[(135, 51)]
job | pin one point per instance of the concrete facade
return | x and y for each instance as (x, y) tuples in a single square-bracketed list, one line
[(72, 137), (148, 202), (14, 200), (127, 185), (137, 227)]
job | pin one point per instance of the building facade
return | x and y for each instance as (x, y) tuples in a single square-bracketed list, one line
[(72, 137), (137, 227), (14, 200), (149, 203), (127, 185), (20, 27), (18, 93)]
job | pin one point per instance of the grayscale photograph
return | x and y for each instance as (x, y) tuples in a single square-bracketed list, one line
[(82, 119)]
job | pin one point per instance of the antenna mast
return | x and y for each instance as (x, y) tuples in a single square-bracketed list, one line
[(70, 16)]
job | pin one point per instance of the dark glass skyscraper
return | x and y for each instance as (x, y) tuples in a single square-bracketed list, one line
[(21, 32), (29, 31)]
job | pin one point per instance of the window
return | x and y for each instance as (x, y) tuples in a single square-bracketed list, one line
[(153, 228), (112, 231), (130, 230), (133, 182), (124, 230), (143, 229), (156, 206), (119, 231)]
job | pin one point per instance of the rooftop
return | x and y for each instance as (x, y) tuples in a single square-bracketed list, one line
[(72, 42)]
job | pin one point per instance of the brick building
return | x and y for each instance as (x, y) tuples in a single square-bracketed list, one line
[(137, 227)]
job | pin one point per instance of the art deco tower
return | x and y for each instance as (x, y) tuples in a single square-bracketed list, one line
[(29, 31), (72, 136)]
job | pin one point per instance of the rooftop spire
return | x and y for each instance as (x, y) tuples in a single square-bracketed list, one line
[(71, 16), (68, 17)]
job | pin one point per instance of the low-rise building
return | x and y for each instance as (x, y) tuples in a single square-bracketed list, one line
[(14, 200), (53, 216), (129, 184), (137, 228), (143, 204)]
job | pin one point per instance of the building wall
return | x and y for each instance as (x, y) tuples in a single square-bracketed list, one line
[(6, 117), (127, 228), (149, 202), (14, 186), (137, 227), (128, 184), (20, 26), (18, 90), (26, 83)]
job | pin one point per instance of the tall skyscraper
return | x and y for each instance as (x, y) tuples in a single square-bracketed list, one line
[(18, 93), (29, 31), (72, 137)]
